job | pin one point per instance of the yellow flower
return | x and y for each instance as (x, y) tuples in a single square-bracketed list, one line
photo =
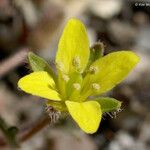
[(81, 73)]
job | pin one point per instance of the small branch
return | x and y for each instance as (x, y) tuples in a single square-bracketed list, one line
[(34, 129), (12, 62), (28, 132)]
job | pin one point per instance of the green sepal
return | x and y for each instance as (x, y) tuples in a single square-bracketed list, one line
[(96, 52), (39, 64), (60, 106), (108, 104)]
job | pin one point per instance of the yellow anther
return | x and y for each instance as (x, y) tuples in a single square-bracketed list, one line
[(76, 61), (60, 66), (77, 86), (93, 69), (65, 78), (95, 86)]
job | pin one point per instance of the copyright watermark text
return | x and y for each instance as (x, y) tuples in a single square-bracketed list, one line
[(142, 4)]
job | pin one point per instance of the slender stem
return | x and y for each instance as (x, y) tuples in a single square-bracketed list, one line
[(34, 129), (28, 132)]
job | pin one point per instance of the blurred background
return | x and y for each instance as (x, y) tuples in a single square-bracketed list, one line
[(36, 25)]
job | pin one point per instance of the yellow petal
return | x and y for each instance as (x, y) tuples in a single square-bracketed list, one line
[(110, 70), (87, 114), (39, 84), (73, 49)]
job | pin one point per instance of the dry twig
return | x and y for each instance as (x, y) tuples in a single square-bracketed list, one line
[(12, 62), (28, 132)]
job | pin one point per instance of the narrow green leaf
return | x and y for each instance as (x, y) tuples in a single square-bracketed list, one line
[(12, 133), (108, 104), (39, 64), (9, 133)]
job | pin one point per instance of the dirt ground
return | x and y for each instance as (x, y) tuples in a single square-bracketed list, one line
[(36, 25)]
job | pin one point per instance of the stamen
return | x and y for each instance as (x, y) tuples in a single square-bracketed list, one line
[(65, 77), (93, 69), (76, 61), (77, 86), (95, 86), (60, 66)]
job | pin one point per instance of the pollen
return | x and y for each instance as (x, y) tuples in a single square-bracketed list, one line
[(60, 66), (76, 61), (95, 86), (77, 86), (65, 78), (93, 69)]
